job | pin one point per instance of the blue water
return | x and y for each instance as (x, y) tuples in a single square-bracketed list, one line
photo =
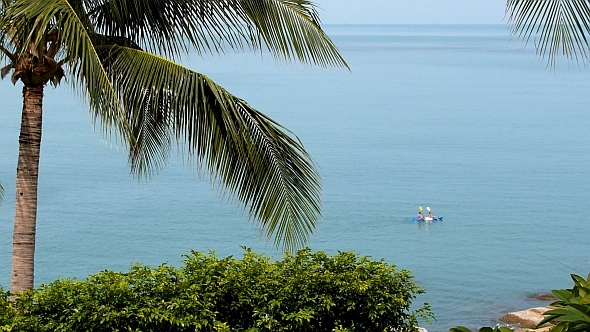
[(463, 119)]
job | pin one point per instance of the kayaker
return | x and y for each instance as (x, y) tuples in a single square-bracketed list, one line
[(420, 215), (430, 214)]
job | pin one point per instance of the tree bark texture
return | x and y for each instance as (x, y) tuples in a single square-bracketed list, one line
[(27, 171)]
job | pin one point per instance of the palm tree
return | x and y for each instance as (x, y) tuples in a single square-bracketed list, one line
[(558, 27), (119, 56)]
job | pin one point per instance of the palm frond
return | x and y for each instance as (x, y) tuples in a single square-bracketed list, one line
[(159, 26), (6, 45), (290, 28), (267, 169), (558, 27), (7, 53), (34, 19), (4, 55)]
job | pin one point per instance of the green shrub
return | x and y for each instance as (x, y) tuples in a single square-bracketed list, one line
[(572, 312), (6, 312), (303, 292)]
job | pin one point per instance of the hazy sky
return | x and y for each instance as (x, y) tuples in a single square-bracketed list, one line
[(412, 11)]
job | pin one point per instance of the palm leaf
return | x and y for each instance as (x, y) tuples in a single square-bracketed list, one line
[(289, 28), (6, 45), (267, 169), (159, 26), (81, 59), (558, 27)]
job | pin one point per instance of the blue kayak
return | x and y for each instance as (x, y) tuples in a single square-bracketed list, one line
[(427, 219)]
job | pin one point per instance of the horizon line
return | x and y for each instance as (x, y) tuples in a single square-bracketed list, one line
[(324, 24)]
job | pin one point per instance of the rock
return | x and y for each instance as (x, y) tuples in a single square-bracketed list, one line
[(544, 297), (528, 319), (543, 329)]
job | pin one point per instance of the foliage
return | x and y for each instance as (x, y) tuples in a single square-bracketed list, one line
[(119, 55), (558, 27), (7, 315), (303, 292), (572, 312), (483, 329)]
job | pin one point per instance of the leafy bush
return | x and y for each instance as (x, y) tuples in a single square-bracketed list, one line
[(303, 292), (572, 312)]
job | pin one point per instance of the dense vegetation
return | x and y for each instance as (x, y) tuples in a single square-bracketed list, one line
[(303, 292), (572, 309)]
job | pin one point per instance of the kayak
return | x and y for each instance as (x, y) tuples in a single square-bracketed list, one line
[(427, 219)]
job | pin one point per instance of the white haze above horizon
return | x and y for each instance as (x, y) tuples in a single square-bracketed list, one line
[(412, 11)]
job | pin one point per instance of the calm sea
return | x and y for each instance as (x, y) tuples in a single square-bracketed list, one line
[(462, 119)]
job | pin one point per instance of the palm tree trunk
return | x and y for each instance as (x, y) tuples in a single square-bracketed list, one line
[(27, 171)]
